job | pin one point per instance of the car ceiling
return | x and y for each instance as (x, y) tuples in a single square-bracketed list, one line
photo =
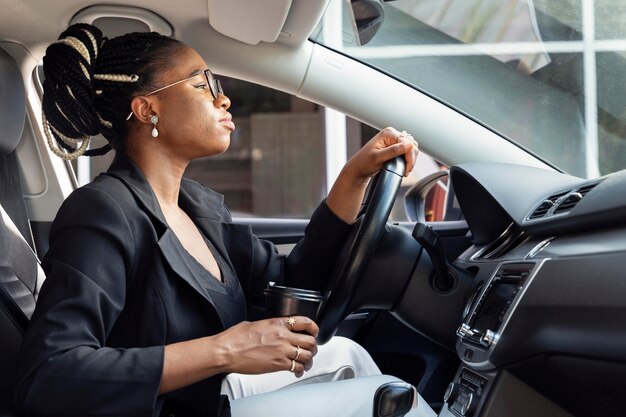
[(291, 64), (40, 23)]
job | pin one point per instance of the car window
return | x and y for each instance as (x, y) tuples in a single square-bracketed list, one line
[(546, 74)]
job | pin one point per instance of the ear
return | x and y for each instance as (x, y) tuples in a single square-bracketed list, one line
[(143, 107)]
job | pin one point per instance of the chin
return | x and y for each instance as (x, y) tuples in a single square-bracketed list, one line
[(225, 145), (216, 150)]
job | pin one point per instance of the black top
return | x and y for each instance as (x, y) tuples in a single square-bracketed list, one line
[(226, 293), (120, 287)]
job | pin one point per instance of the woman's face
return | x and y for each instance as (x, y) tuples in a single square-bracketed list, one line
[(192, 123)]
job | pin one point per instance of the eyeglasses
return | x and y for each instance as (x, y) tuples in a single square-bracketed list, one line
[(212, 82)]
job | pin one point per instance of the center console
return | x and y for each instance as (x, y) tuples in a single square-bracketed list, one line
[(489, 311), (485, 320), (464, 395)]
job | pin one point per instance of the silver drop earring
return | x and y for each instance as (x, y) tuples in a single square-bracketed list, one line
[(154, 119)]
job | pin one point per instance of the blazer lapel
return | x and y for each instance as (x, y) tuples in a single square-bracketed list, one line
[(174, 256), (131, 176), (212, 229), (206, 209), (172, 250)]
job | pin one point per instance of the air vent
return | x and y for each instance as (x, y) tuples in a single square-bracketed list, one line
[(585, 189), (561, 203), (507, 241), (514, 275), (545, 206), (573, 198), (542, 210), (568, 203)]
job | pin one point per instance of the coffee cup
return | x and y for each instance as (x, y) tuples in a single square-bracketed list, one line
[(287, 301)]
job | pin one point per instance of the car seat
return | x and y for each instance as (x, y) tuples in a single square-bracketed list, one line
[(20, 273)]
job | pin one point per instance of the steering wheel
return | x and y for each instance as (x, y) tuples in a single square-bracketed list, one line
[(359, 246)]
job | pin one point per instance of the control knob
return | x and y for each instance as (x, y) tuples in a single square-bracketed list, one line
[(465, 331), (452, 392), (468, 404), (487, 338)]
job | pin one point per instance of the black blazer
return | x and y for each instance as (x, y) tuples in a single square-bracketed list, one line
[(117, 291)]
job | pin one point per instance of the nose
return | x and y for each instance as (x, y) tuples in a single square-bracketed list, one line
[(222, 101)]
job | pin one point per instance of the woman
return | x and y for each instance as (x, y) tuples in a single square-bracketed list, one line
[(144, 308)]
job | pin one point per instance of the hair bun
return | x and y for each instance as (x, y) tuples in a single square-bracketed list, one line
[(68, 101), (88, 35)]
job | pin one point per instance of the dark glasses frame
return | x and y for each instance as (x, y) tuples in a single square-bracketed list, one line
[(213, 83)]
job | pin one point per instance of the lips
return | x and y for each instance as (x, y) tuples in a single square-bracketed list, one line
[(228, 122)]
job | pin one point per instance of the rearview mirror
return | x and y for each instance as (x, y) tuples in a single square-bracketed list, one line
[(367, 17)]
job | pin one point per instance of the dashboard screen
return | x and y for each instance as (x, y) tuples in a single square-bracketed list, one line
[(495, 306)]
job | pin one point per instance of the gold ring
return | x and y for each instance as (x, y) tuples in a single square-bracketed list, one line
[(291, 321), (293, 366), (298, 352)]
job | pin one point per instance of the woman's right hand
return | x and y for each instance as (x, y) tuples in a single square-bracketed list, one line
[(248, 348), (269, 345)]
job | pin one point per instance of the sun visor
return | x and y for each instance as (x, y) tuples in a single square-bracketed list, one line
[(248, 21)]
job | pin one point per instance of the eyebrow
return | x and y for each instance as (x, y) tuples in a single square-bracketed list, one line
[(195, 72)]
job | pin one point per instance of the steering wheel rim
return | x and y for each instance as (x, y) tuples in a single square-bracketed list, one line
[(358, 248)]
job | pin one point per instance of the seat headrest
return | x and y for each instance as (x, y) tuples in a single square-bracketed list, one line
[(12, 103)]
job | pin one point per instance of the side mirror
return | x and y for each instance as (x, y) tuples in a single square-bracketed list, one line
[(430, 199), (367, 17)]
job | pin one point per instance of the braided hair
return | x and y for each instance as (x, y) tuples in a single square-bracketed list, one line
[(90, 82)]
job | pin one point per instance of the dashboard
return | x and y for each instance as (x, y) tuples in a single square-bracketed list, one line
[(543, 329)]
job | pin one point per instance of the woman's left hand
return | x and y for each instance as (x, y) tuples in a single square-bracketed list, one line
[(344, 199)]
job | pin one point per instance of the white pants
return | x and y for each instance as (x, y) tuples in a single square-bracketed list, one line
[(342, 382)]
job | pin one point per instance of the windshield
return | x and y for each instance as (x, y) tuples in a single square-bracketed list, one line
[(546, 74)]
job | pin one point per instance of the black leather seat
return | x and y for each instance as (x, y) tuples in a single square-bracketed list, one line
[(20, 274)]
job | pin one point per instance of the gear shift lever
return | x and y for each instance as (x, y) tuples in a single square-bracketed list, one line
[(394, 399)]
